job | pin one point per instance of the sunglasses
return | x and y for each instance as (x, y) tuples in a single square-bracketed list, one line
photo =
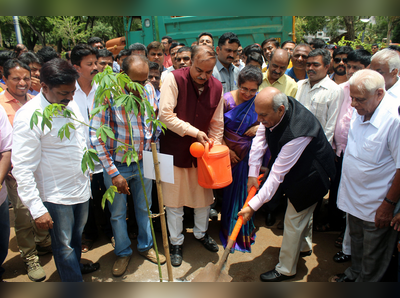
[(337, 60)]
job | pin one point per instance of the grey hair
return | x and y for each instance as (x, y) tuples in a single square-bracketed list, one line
[(388, 56), (367, 80), (278, 100)]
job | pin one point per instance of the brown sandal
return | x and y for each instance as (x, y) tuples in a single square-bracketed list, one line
[(86, 245)]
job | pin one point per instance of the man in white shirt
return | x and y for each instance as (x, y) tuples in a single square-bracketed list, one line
[(5, 165), (370, 185), (387, 63), (84, 60), (319, 94), (48, 169)]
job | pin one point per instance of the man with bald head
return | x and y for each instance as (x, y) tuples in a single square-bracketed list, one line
[(191, 106), (370, 184), (275, 75), (124, 177), (302, 165)]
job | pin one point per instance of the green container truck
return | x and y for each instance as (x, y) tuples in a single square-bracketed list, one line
[(185, 29)]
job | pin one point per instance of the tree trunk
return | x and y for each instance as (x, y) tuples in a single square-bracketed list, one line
[(1, 39), (389, 32), (59, 45), (349, 22), (38, 34)]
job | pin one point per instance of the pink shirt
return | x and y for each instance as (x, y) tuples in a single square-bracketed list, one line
[(286, 159), (167, 61), (343, 121)]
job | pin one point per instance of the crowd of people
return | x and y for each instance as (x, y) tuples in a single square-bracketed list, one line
[(311, 118)]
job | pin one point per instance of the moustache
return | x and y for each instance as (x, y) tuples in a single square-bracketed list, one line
[(94, 71), (201, 79), (65, 102), (311, 71), (229, 57), (277, 73)]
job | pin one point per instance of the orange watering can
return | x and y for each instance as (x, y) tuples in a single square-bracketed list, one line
[(213, 165)]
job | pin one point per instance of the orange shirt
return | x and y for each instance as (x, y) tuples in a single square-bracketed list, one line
[(11, 105)]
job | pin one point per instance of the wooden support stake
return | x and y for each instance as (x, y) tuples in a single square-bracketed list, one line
[(162, 212)]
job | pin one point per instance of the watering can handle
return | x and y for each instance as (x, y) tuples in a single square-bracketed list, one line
[(209, 170), (239, 222), (207, 148)]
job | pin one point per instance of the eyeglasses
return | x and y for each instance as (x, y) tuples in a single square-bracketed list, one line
[(250, 91), (337, 60)]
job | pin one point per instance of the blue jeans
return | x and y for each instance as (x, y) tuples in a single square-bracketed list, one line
[(4, 234), (118, 210), (66, 234)]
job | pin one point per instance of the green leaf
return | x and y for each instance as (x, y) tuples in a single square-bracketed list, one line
[(109, 132), (61, 133), (135, 156), (90, 162), (34, 119), (98, 131), (128, 159), (84, 163), (93, 154), (67, 134), (103, 135), (109, 195)]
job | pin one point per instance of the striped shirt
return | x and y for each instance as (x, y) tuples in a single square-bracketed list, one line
[(115, 117)]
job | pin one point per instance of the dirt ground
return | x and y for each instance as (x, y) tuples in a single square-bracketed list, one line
[(242, 267)]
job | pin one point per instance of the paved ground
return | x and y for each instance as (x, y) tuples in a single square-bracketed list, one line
[(243, 267)]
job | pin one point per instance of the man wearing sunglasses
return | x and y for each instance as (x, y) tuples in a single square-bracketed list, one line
[(339, 64)]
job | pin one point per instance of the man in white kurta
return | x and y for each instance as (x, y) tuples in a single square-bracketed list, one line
[(370, 184), (186, 191)]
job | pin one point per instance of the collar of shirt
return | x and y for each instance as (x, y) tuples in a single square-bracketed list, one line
[(220, 66), (8, 97), (281, 79), (324, 83), (377, 117), (395, 89), (273, 127), (79, 89)]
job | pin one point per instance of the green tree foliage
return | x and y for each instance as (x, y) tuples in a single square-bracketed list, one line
[(69, 28)]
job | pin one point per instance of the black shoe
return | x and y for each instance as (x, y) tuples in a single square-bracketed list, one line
[(89, 268), (341, 257), (305, 253), (270, 219), (176, 255), (209, 243), (213, 214), (341, 277), (274, 275)]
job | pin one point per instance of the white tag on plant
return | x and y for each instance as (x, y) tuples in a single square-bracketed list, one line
[(166, 166)]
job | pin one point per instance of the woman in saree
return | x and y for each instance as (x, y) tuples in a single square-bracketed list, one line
[(240, 128)]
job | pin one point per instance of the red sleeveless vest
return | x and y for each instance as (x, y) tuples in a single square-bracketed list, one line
[(191, 107)]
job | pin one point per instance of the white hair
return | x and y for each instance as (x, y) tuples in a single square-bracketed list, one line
[(367, 80), (278, 100), (389, 56)]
